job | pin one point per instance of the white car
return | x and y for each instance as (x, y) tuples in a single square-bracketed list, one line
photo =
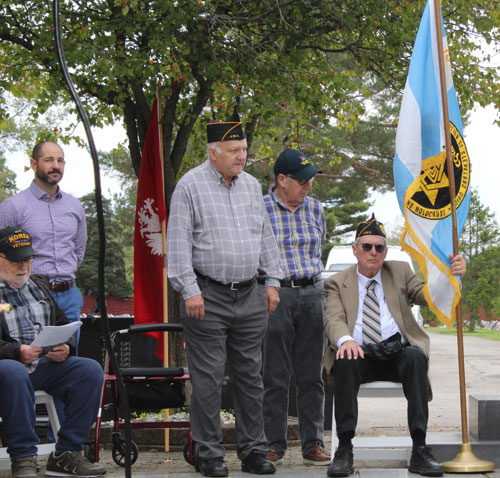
[(341, 257)]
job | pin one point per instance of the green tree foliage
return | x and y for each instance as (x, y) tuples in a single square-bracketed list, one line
[(353, 159), (20, 129), (116, 163), (7, 180), (481, 285), (117, 282), (479, 246), (481, 229), (302, 59)]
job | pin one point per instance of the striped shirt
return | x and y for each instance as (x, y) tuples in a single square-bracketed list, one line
[(57, 227), (223, 233), (300, 235)]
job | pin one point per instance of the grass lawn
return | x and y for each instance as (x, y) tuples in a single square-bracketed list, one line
[(484, 334)]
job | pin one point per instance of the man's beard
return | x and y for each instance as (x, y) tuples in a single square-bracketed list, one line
[(18, 283), (44, 177)]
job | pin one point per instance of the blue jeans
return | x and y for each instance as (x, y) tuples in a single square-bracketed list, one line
[(295, 343), (71, 303), (76, 382)]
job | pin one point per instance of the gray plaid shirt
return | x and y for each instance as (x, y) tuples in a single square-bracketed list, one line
[(223, 233), (29, 314)]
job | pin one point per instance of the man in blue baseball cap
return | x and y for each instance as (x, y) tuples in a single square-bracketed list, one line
[(295, 337)]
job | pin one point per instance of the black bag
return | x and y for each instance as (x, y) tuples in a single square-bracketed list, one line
[(152, 395), (388, 349)]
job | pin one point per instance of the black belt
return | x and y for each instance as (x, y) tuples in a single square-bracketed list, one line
[(61, 286), (295, 282), (232, 285)]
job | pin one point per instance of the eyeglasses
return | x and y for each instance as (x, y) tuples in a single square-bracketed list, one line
[(302, 182), (367, 247)]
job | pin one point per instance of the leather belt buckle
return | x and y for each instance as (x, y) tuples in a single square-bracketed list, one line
[(242, 285), (293, 285), (233, 284), (61, 286)]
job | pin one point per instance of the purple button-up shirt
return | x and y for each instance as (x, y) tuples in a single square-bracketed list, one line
[(57, 227)]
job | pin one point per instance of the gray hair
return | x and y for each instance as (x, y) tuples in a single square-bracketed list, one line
[(215, 145)]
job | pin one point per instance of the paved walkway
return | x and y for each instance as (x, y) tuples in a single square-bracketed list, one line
[(377, 417)]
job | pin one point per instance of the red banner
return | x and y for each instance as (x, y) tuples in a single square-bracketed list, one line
[(148, 251)]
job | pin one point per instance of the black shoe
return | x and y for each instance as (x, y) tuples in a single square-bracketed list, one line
[(342, 463), (258, 464), (213, 467), (423, 462)]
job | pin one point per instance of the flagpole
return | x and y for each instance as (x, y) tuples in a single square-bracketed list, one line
[(465, 461), (164, 269)]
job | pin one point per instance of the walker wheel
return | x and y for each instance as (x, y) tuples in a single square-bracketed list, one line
[(118, 451), (190, 453)]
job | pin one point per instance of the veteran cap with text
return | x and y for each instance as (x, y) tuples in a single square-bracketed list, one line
[(15, 243), (294, 163), (228, 130), (372, 227)]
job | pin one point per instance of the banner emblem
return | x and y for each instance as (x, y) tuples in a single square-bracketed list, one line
[(429, 195), (149, 226)]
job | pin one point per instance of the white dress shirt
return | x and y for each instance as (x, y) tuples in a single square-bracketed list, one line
[(387, 322)]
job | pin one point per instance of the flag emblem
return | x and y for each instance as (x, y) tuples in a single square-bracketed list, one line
[(429, 195), (149, 226)]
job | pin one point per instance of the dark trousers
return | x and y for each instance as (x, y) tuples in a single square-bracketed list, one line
[(409, 369), (295, 343), (232, 331)]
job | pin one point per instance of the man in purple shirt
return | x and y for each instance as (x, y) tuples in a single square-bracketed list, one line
[(56, 222)]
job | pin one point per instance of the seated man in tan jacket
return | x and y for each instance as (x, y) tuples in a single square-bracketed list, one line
[(367, 304)]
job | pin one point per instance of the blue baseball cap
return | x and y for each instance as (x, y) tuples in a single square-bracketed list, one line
[(294, 163)]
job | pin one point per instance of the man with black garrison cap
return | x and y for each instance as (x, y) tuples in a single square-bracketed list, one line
[(218, 236), (373, 335)]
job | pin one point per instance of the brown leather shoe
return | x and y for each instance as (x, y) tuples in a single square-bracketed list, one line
[(274, 457), (317, 456)]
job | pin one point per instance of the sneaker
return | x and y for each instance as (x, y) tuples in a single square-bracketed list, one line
[(423, 463), (317, 456), (73, 463), (274, 457), (24, 467)]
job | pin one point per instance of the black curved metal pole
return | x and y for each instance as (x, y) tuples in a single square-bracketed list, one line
[(102, 239)]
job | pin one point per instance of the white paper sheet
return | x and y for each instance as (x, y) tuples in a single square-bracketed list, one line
[(56, 334)]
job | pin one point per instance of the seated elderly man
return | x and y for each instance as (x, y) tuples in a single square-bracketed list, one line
[(374, 336), (24, 368)]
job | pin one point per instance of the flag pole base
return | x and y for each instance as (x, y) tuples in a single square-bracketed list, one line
[(467, 462)]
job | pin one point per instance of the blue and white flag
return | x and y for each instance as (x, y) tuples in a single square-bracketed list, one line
[(420, 171)]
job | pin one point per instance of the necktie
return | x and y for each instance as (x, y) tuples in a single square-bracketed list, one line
[(371, 315)]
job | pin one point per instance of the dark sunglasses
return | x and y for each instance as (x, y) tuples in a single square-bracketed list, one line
[(302, 182), (367, 247)]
